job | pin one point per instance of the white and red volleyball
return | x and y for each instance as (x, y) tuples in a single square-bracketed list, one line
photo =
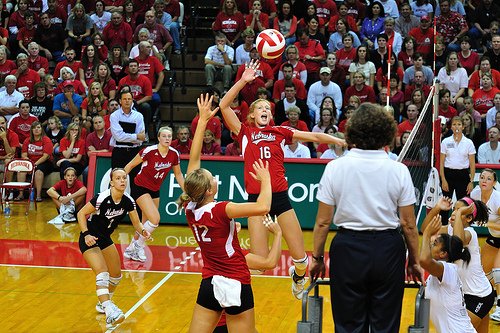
[(270, 44)]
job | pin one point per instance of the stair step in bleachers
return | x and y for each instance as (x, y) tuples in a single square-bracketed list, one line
[(181, 114), (192, 93)]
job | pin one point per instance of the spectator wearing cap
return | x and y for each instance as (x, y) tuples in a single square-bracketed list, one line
[(451, 25), (319, 90), (67, 104), (10, 97), (26, 77), (406, 21), (424, 36)]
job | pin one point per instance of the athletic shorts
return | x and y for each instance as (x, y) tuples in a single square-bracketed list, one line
[(103, 242), (493, 241), (480, 306), (137, 191), (207, 299), (280, 202)]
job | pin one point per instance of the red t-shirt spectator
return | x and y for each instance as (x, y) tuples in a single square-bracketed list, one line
[(367, 94), (230, 25), (118, 34), (78, 147), (475, 80), (26, 36), (279, 89), (13, 140), (344, 58), (21, 126), (181, 148), (470, 62), (301, 125), (38, 63), (150, 67), (140, 87), (35, 150), (74, 67), (214, 125), (424, 40), (483, 100), (263, 74), (314, 49), (325, 9), (62, 187), (26, 82)]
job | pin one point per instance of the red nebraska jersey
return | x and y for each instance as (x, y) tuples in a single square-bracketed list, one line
[(35, 150), (155, 167), (21, 126), (267, 144), (216, 235)]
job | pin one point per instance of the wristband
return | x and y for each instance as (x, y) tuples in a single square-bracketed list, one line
[(142, 231), (85, 233), (59, 197), (318, 258)]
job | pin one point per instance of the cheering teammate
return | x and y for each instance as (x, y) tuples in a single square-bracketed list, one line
[(259, 140), (106, 210), (157, 161), (225, 281)]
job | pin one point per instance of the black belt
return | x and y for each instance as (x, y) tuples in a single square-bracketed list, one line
[(127, 148), (367, 232)]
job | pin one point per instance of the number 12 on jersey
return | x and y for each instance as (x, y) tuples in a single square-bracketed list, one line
[(204, 230), (265, 152)]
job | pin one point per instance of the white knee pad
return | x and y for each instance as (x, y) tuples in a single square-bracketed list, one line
[(301, 264), (496, 275), (115, 281), (489, 276), (102, 279)]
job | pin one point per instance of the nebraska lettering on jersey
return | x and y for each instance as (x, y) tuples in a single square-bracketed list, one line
[(108, 212), (160, 166), (113, 213), (259, 137)]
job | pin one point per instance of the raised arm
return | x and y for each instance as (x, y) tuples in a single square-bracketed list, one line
[(255, 261), (231, 120), (317, 137), (443, 204), (434, 267)]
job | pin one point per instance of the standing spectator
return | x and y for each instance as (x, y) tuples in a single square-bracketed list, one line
[(488, 152), (373, 24), (159, 36), (218, 61), (183, 143), (70, 61), (451, 25), (483, 97), (407, 21), (468, 59), (100, 17), (311, 53), (494, 53), (373, 227), (360, 89), (10, 98), (67, 104), (319, 90), (79, 27), (242, 52), (141, 89), (287, 102), (230, 22), (26, 77), (128, 133), (40, 104), (118, 33), (21, 122), (299, 69), (454, 78)]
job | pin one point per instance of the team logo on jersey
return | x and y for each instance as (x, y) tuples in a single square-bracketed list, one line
[(259, 137), (112, 213), (160, 165)]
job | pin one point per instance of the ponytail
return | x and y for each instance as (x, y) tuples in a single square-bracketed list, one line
[(454, 246), (465, 255), (196, 185)]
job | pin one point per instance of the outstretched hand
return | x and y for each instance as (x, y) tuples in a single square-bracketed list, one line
[(250, 72), (444, 203), (205, 107), (434, 226), (261, 170), (272, 225)]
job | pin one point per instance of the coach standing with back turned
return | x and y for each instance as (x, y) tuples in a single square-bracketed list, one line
[(363, 193)]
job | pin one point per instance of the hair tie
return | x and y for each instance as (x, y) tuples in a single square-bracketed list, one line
[(469, 201)]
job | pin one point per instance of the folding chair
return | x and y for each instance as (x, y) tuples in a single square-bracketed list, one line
[(17, 166)]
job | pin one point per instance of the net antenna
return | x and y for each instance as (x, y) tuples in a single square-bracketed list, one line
[(418, 151)]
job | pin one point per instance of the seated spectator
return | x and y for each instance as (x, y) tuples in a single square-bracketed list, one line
[(100, 48), (379, 53), (97, 141), (469, 130), (343, 13), (218, 62), (405, 57), (363, 64), (406, 21), (6, 65), (451, 25), (67, 104), (118, 33), (215, 123), (454, 78), (41, 105), (279, 86), (422, 8), (311, 10), (67, 74), (403, 139), (286, 22), (360, 89), (103, 76), (493, 53), (77, 119), (483, 97), (469, 109), (173, 8), (438, 57), (58, 14), (322, 147), (381, 75), (296, 150), (26, 78), (166, 20), (491, 114), (90, 61), (335, 42), (9, 142), (21, 122), (284, 104), (256, 19), (293, 113), (242, 52), (299, 69), (55, 132), (418, 65), (210, 147), (70, 61), (38, 149), (183, 143), (396, 97), (240, 108), (486, 12), (143, 36), (407, 126), (335, 151), (50, 84), (373, 23), (445, 109), (418, 83), (233, 149), (488, 152), (263, 93), (10, 98), (311, 53), (94, 104), (26, 34), (36, 62), (132, 13), (113, 105), (79, 28), (394, 38), (468, 59), (347, 54), (72, 149), (338, 74), (16, 22), (484, 67), (264, 78), (68, 192), (230, 22), (327, 116), (101, 17), (117, 62), (423, 35)]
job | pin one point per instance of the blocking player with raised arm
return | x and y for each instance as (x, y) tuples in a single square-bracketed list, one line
[(106, 210), (259, 140), (226, 279), (157, 161)]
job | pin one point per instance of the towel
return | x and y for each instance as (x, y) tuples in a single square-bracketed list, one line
[(227, 291), (433, 189)]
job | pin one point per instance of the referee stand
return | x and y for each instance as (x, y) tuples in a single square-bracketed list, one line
[(312, 309)]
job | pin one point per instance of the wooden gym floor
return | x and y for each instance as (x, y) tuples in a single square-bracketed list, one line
[(46, 285)]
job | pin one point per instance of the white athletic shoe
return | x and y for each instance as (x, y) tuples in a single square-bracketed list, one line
[(99, 307), (130, 250), (297, 287), (141, 254), (135, 252), (496, 315), (114, 315)]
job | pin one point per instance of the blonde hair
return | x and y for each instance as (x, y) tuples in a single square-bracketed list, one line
[(165, 128), (69, 128), (196, 185), (251, 109)]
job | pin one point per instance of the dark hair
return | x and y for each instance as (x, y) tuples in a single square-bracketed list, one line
[(290, 85), (491, 170), (406, 40), (124, 91), (370, 127), (282, 17), (288, 65), (454, 246), (334, 112), (481, 214), (394, 68), (443, 92), (383, 35), (329, 127), (367, 54), (69, 169), (417, 55), (343, 20), (132, 61), (369, 13), (115, 170), (24, 101)]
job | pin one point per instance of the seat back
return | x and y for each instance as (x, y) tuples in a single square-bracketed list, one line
[(180, 19), (19, 165)]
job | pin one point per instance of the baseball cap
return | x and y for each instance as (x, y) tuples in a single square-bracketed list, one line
[(68, 83), (325, 70), (425, 18)]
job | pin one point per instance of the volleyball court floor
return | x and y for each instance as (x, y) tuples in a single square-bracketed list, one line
[(46, 286)]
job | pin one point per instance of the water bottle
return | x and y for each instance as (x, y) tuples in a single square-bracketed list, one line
[(6, 210)]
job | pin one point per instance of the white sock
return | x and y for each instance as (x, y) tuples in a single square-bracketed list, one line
[(150, 227)]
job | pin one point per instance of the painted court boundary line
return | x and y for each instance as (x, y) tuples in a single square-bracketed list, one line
[(144, 298)]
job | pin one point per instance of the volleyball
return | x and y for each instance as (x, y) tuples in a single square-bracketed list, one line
[(270, 44)]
